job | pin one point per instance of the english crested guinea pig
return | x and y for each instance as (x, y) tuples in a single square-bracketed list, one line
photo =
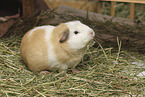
[(55, 47)]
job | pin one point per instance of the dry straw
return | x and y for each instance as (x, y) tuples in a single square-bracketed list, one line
[(102, 72)]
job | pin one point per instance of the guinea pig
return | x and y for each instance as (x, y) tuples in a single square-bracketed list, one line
[(55, 47)]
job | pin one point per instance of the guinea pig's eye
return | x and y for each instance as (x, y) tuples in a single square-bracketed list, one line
[(76, 32)]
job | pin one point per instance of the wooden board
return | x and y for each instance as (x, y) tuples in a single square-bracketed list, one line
[(132, 10), (131, 1), (99, 5), (85, 5), (113, 9), (28, 7), (132, 6)]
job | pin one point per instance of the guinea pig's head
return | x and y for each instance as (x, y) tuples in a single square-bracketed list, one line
[(75, 34), (79, 35)]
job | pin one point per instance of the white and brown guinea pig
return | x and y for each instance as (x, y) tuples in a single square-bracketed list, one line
[(55, 47)]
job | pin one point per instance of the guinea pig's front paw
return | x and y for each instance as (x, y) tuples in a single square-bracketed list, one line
[(45, 72), (62, 67), (73, 70)]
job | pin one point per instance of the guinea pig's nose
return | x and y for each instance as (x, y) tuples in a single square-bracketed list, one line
[(92, 33)]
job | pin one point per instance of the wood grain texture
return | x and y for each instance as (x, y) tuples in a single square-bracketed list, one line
[(28, 7), (131, 1)]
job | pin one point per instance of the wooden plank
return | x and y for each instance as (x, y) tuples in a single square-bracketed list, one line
[(112, 8), (130, 1), (99, 7), (91, 6), (132, 10), (28, 7)]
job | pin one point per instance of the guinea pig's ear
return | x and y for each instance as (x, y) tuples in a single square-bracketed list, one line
[(64, 36)]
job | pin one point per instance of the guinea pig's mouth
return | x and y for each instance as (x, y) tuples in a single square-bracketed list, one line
[(93, 34), (88, 45)]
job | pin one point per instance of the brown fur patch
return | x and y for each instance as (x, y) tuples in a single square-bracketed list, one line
[(34, 50)]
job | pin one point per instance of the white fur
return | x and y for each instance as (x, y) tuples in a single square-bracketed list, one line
[(80, 40), (51, 55)]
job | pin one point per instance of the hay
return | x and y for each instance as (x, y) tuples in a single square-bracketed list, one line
[(102, 72)]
